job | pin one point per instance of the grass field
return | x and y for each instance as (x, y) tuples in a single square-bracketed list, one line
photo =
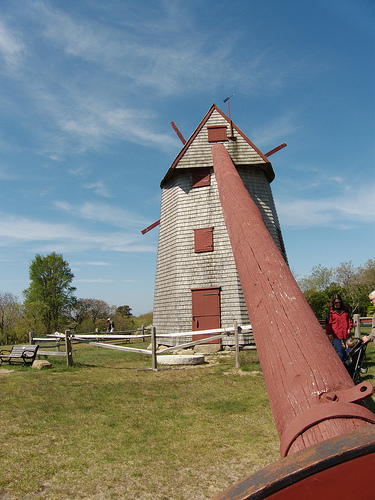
[(111, 428)]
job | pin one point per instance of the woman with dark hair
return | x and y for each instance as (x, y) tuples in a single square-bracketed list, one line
[(338, 324)]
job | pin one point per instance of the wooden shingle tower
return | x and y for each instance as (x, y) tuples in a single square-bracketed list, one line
[(197, 285)]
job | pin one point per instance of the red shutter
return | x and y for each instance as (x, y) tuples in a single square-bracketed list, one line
[(201, 177), (203, 240), (217, 133)]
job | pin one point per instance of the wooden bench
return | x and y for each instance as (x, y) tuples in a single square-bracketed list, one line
[(19, 354)]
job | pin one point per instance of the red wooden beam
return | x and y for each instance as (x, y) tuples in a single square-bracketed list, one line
[(316, 472), (178, 133), (299, 363), (147, 229), (275, 150)]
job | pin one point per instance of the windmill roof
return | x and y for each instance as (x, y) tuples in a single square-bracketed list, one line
[(197, 150)]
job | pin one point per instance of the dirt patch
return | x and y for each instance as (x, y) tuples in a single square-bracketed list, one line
[(237, 371), (4, 371)]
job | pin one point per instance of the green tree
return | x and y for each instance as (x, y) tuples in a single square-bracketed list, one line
[(50, 294), (319, 279), (366, 276), (123, 319), (10, 314), (89, 314), (124, 311), (353, 284)]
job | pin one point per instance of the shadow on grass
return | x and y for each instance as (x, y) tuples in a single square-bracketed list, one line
[(370, 404)]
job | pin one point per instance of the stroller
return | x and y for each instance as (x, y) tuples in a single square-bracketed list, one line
[(354, 359)]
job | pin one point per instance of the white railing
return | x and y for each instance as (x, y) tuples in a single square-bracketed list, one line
[(94, 340)]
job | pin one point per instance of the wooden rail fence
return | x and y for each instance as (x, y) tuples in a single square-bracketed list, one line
[(66, 340), (99, 340), (358, 322)]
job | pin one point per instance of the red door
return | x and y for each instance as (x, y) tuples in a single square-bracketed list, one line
[(206, 311)]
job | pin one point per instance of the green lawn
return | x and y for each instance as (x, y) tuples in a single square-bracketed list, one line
[(111, 428)]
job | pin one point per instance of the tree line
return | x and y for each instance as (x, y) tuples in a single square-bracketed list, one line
[(353, 284), (50, 305)]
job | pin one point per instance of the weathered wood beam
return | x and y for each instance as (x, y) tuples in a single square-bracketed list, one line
[(298, 362), (148, 228), (180, 136), (275, 150)]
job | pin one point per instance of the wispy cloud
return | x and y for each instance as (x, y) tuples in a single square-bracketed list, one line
[(89, 263), (14, 228), (94, 280), (277, 130), (95, 121), (342, 211), (45, 237), (11, 46), (6, 175), (159, 53), (99, 188), (105, 76), (102, 212)]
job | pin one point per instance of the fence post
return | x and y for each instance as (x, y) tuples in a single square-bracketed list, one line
[(31, 338), (153, 348), (357, 326), (68, 348), (143, 332), (235, 326)]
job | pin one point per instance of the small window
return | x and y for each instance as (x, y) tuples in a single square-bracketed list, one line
[(201, 177), (217, 133), (203, 240)]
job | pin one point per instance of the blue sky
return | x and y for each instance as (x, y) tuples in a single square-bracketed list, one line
[(88, 90)]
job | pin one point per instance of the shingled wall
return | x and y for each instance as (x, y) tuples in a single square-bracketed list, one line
[(183, 209)]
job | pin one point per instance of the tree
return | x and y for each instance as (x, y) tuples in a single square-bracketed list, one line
[(124, 311), (366, 275), (319, 279), (89, 314), (356, 284), (353, 284), (50, 292), (319, 300), (10, 313), (346, 275)]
